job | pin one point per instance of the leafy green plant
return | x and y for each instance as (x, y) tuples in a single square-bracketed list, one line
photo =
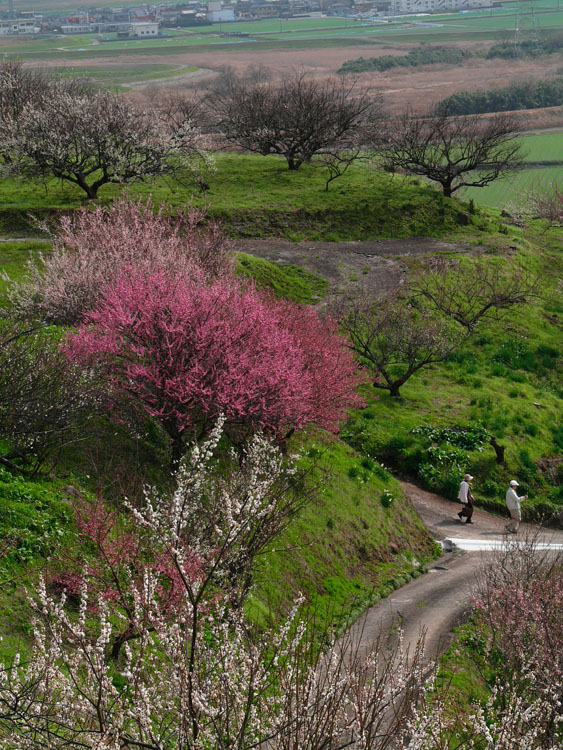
[(386, 498)]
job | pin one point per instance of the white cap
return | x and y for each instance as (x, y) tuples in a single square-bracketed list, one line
[(513, 483)]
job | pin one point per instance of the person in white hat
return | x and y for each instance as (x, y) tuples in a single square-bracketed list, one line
[(466, 498), (513, 505)]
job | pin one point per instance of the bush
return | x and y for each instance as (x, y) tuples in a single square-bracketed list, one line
[(386, 498), (44, 399), (530, 95), (491, 488), (516, 355)]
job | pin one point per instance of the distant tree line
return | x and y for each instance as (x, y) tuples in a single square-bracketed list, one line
[(546, 45), (529, 95), (419, 56)]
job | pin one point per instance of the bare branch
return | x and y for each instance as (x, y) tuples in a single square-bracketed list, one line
[(458, 151)]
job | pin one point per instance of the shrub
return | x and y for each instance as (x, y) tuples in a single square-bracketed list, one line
[(43, 398), (491, 488), (386, 498)]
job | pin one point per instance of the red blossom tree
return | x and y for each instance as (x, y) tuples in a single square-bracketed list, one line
[(185, 351)]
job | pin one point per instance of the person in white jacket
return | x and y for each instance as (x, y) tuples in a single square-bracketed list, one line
[(513, 505), (466, 498)]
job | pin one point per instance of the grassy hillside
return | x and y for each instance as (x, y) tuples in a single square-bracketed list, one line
[(348, 548), (256, 196), (506, 378)]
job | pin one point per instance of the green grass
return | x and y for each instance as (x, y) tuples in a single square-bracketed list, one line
[(544, 154), (338, 553), (544, 147), (13, 257), (512, 190), (124, 75), (286, 281), (35, 522), (256, 196)]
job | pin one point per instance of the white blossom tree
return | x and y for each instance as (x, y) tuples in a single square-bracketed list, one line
[(91, 141), (202, 678)]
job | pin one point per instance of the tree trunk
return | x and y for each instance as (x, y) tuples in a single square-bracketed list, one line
[(90, 190), (127, 635), (447, 188), (177, 453), (499, 450)]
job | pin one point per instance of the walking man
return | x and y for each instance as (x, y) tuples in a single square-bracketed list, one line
[(513, 505), (465, 496)]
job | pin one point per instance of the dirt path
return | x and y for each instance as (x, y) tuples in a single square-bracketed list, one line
[(440, 600), (374, 266)]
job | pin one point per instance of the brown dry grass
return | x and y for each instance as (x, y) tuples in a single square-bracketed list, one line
[(400, 87)]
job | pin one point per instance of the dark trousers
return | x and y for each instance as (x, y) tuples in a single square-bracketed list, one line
[(467, 510)]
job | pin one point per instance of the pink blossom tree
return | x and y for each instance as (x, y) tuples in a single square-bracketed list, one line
[(185, 351), (92, 246)]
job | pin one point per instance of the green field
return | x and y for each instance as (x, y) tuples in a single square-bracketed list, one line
[(544, 147), (302, 33), (544, 152), (513, 189)]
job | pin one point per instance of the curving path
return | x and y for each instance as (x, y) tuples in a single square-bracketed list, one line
[(440, 600)]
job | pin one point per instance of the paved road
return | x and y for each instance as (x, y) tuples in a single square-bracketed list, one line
[(440, 600)]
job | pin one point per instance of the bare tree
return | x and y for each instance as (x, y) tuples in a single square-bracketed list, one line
[(295, 119), (338, 159), (396, 339), (91, 141), (468, 294), (457, 151)]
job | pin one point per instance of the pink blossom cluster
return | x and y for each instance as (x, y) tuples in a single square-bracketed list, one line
[(185, 351)]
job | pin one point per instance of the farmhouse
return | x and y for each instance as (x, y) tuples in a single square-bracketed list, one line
[(143, 29)]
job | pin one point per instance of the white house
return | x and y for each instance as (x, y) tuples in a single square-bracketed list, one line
[(19, 26), (143, 29), (217, 12)]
